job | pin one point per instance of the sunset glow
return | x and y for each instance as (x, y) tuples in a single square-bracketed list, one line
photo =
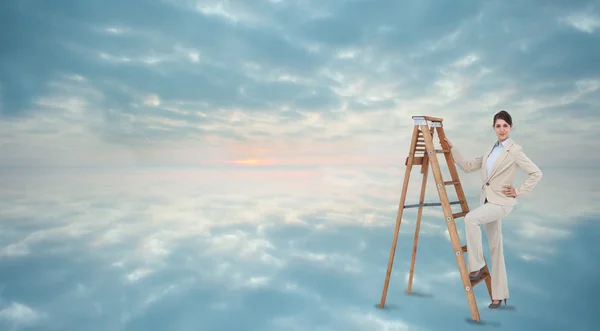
[(253, 162)]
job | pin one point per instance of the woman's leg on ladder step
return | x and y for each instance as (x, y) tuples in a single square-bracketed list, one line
[(483, 214)]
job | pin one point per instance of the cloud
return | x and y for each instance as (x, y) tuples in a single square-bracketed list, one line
[(585, 22), (17, 315)]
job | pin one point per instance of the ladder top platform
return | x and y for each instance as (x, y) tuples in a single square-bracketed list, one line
[(428, 118)]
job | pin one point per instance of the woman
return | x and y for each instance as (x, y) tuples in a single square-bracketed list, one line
[(497, 199)]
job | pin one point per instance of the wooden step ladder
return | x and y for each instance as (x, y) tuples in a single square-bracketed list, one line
[(422, 152)]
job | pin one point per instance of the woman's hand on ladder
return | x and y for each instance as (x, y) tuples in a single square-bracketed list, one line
[(448, 141)]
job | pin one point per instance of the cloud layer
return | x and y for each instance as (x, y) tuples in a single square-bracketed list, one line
[(176, 248)]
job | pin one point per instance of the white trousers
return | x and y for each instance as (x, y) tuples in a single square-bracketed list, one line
[(490, 216)]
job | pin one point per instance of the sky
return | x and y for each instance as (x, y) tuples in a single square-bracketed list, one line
[(290, 82), (237, 165)]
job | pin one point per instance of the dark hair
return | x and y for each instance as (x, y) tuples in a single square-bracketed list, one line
[(503, 115)]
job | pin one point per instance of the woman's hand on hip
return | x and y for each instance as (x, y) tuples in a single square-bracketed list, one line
[(509, 191)]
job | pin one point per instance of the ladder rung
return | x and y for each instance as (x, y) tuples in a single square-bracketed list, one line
[(442, 151), (417, 160), (484, 274), (461, 214), (452, 182), (430, 204)]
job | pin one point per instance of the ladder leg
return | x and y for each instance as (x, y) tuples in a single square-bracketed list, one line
[(465, 208), (464, 273), (425, 170), (399, 216), (488, 284), (437, 174)]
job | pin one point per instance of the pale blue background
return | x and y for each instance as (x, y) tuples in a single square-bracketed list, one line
[(237, 165)]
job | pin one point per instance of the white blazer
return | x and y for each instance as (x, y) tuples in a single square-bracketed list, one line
[(503, 173)]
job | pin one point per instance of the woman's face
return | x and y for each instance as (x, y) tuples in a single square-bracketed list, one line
[(502, 129)]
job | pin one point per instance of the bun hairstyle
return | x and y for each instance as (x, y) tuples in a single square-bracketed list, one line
[(503, 115)]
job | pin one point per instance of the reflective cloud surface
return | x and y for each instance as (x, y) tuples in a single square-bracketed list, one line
[(299, 249), (237, 165)]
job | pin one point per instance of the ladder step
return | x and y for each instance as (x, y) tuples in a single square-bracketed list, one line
[(452, 182), (458, 215), (442, 151), (431, 204), (484, 274), (417, 160)]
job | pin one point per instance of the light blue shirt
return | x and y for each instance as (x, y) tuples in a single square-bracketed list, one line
[(498, 147)]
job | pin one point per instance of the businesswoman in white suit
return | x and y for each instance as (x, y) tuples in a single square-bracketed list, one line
[(497, 198)]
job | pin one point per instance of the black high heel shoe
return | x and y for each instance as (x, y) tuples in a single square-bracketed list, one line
[(476, 277), (496, 305)]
